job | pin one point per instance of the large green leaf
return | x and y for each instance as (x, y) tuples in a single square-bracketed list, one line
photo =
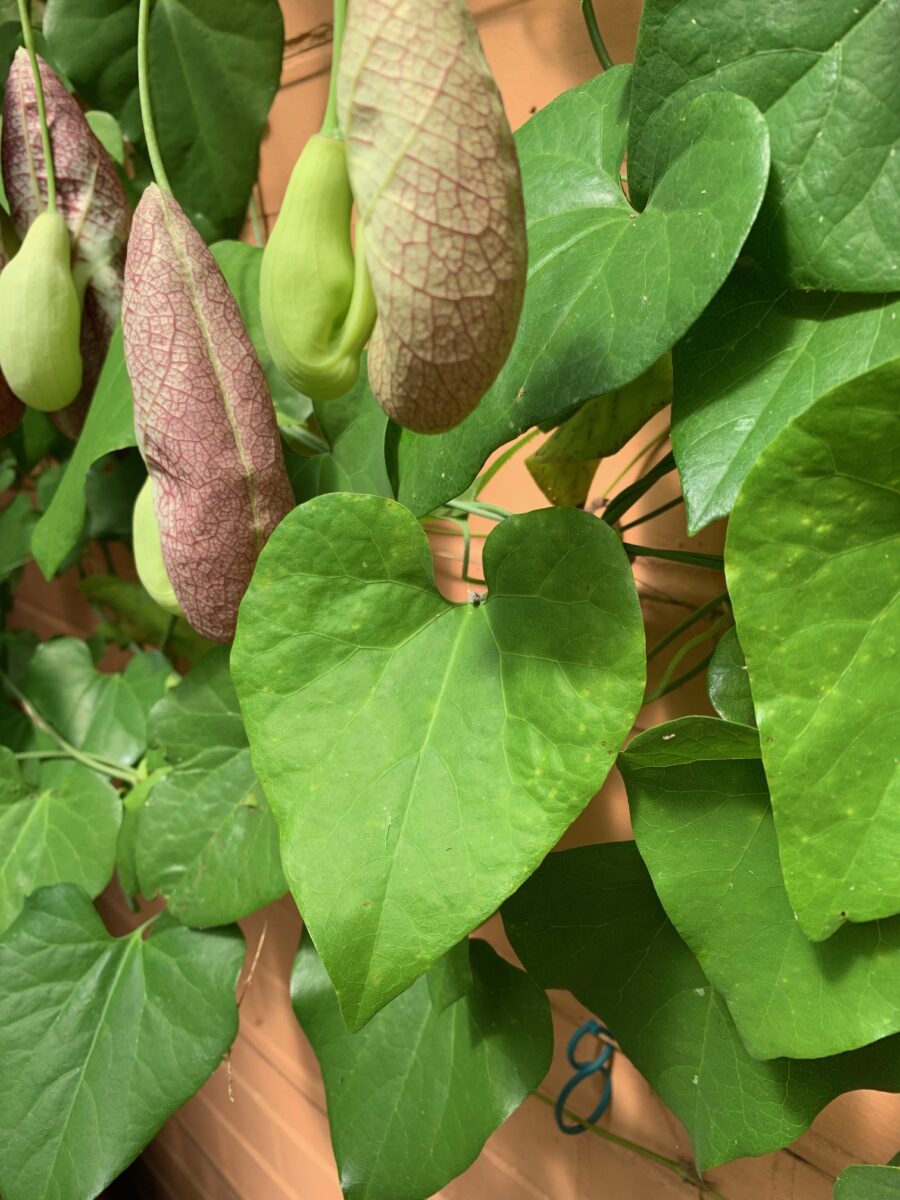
[(103, 714), (63, 832), (565, 465), (422, 757), (757, 358), (609, 289), (109, 426), (868, 1183), (354, 426), (103, 1039), (811, 563), (705, 830), (214, 71), (205, 837), (589, 920), (727, 681), (825, 76), (17, 521), (138, 618), (424, 1073)]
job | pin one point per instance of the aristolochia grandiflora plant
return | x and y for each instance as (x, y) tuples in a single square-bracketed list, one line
[(269, 430)]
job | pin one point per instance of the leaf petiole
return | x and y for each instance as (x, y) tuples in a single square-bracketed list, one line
[(143, 50), (666, 684), (590, 19), (28, 36), (657, 512), (636, 1148), (100, 765), (691, 558), (489, 472), (629, 496), (330, 127), (477, 508), (695, 616)]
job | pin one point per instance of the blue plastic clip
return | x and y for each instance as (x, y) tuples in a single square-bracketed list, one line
[(602, 1063)]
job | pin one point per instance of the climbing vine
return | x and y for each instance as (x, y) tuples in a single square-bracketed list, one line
[(274, 432)]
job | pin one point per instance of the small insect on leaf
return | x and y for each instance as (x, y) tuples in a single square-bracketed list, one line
[(435, 178), (203, 416)]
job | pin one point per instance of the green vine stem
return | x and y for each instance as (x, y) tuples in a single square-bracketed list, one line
[(644, 452), (697, 615), (28, 35), (259, 235), (330, 127), (590, 19), (683, 1173), (691, 558), (143, 49), (666, 683), (477, 508), (657, 512), (488, 474), (101, 765), (686, 677), (629, 496)]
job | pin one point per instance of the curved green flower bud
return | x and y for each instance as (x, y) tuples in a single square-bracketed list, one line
[(148, 556), (40, 318), (317, 304)]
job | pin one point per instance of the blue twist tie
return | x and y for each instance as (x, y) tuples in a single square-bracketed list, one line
[(583, 1070)]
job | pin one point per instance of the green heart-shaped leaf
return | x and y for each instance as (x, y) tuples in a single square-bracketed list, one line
[(103, 714), (757, 358), (609, 289), (422, 757), (109, 426), (705, 830), (63, 832), (811, 562), (138, 618), (446, 1062), (728, 683), (206, 839), (103, 1039), (17, 520), (830, 219), (228, 54), (868, 1183), (586, 909)]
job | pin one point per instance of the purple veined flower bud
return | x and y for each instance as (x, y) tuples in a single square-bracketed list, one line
[(90, 198), (434, 173), (203, 416)]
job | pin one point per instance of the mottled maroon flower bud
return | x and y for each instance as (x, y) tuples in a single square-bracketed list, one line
[(89, 196), (203, 416), (433, 168)]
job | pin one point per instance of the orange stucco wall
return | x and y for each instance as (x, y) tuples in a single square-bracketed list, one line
[(258, 1129)]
